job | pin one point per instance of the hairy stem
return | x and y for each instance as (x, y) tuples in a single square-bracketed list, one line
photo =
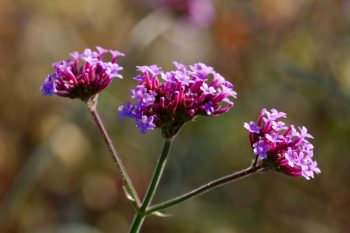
[(132, 194), (140, 215), (205, 188)]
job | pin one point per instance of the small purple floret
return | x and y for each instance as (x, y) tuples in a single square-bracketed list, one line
[(48, 87), (167, 100), (252, 127), (282, 147), (261, 148), (83, 80)]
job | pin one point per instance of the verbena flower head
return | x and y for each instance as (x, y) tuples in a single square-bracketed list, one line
[(167, 100), (199, 12), (84, 75), (281, 147)]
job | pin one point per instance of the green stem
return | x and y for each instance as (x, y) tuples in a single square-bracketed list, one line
[(205, 188), (157, 174), (140, 215), (255, 161), (125, 177), (137, 223)]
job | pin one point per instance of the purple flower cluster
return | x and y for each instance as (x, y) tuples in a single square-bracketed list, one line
[(84, 80), (282, 147), (199, 12), (180, 96)]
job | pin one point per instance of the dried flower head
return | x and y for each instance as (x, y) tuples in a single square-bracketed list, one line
[(84, 76), (167, 100), (282, 147)]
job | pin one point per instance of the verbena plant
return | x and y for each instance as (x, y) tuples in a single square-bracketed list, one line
[(167, 100)]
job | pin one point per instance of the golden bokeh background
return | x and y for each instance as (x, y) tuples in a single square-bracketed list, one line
[(56, 173)]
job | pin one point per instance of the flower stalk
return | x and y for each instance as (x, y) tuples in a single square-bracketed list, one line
[(207, 187), (131, 193), (141, 214)]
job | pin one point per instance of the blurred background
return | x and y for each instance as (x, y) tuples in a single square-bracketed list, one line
[(56, 173)]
